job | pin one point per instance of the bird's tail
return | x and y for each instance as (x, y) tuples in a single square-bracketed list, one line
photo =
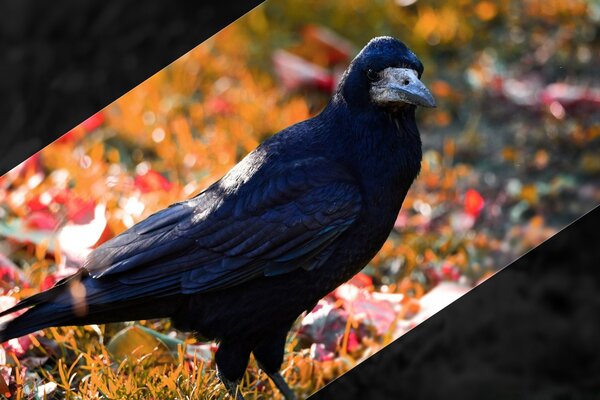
[(38, 317), (79, 300)]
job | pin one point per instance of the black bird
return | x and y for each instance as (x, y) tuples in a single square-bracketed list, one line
[(297, 217)]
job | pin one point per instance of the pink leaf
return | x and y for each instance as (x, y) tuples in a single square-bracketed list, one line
[(41, 220), (294, 72)]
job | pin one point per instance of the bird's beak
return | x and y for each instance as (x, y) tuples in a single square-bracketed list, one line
[(401, 85)]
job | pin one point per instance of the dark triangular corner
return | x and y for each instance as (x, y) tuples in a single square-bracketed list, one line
[(66, 59), (530, 332)]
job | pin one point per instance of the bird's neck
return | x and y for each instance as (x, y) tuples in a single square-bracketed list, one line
[(382, 147)]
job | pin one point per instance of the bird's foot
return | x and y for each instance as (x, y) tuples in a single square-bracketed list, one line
[(233, 387), (281, 385)]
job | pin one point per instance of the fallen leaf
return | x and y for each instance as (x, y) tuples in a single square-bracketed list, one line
[(136, 342)]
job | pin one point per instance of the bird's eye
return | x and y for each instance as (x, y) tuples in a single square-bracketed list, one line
[(372, 75)]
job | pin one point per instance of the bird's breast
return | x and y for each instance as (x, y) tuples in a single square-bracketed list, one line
[(361, 242), (385, 177)]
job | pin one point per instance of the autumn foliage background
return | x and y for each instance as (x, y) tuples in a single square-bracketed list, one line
[(511, 155)]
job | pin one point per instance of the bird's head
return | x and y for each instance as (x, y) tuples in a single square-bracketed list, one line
[(386, 75)]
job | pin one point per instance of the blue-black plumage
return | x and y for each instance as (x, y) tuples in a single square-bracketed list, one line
[(294, 219)]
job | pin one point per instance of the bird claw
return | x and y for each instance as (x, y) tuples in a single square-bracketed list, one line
[(232, 386), (234, 390), (281, 384)]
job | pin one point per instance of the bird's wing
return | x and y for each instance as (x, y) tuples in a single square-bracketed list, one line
[(270, 225)]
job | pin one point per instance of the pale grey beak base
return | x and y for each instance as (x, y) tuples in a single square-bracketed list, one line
[(401, 85)]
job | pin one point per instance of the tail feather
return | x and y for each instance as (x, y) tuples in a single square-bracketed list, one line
[(43, 297), (47, 315), (102, 302), (33, 320)]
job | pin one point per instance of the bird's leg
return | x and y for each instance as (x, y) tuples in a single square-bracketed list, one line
[(281, 384), (232, 360), (233, 387), (269, 356)]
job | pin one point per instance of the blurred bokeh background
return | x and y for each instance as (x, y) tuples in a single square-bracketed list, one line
[(511, 155)]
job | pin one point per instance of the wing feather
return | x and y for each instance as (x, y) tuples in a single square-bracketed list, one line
[(238, 229)]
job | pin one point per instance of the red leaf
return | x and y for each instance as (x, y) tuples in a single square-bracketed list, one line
[(36, 205), (473, 202), (450, 271), (93, 122), (89, 125), (361, 280), (152, 181), (18, 346), (61, 196), (48, 282), (218, 105), (72, 135), (80, 211)]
